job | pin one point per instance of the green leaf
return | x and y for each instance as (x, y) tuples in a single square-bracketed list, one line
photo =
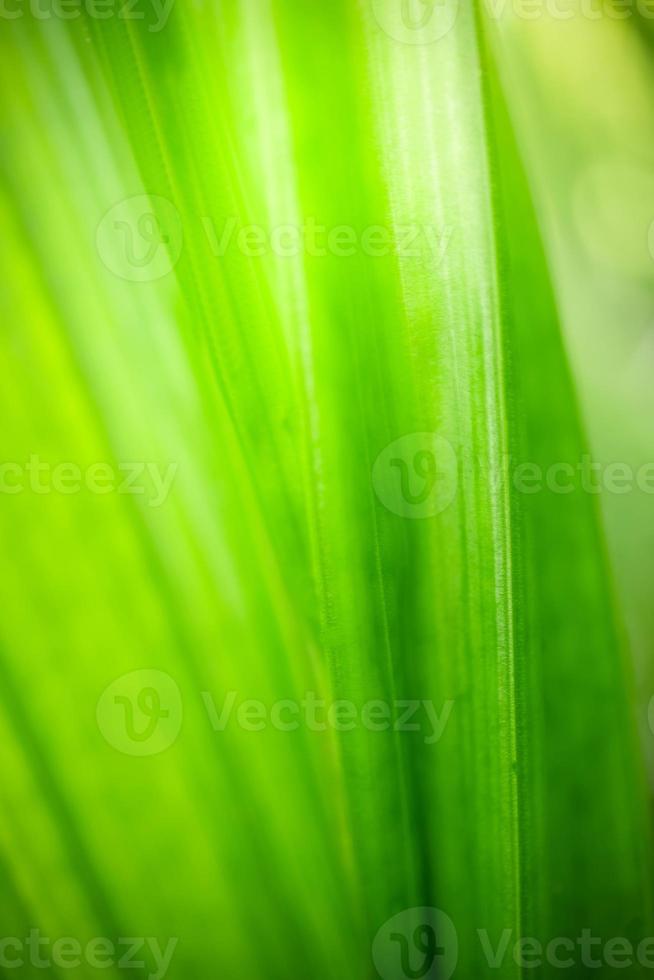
[(287, 263)]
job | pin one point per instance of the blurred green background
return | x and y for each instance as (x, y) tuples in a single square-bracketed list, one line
[(246, 389)]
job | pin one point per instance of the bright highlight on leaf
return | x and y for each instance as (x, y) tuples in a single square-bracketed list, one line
[(307, 669)]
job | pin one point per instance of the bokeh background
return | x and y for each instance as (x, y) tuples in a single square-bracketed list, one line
[(266, 387)]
